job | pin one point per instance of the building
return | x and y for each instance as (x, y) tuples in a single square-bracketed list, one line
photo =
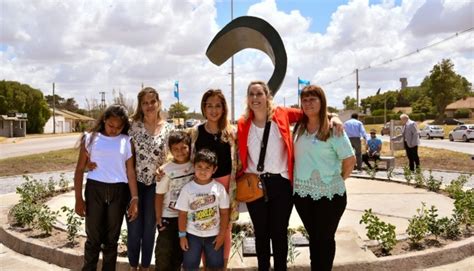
[(13, 124), (67, 122), (465, 103)]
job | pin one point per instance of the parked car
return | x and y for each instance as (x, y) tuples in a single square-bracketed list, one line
[(386, 129), (451, 121), (432, 131), (462, 132), (191, 122)]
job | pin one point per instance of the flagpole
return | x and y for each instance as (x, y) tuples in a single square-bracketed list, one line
[(298, 96)]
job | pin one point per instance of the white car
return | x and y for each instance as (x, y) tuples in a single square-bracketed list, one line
[(432, 131), (462, 132)]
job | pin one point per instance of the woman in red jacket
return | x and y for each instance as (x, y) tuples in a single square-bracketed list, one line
[(270, 218)]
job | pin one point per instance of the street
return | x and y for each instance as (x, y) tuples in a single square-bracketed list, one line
[(457, 146), (25, 146)]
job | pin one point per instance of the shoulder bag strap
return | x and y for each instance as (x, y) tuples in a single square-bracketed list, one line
[(263, 149)]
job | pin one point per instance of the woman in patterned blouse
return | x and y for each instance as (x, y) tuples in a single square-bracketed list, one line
[(322, 163), (149, 135)]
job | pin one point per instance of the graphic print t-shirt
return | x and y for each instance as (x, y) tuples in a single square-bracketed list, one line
[(176, 176), (202, 203)]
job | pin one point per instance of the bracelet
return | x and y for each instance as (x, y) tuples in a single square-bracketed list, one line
[(181, 234), (133, 198)]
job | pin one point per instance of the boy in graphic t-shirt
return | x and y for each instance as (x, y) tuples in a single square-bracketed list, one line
[(203, 206), (177, 173)]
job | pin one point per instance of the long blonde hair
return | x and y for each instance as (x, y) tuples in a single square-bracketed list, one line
[(324, 132), (138, 115), (270, 106)]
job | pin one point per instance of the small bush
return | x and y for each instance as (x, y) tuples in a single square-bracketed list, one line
[(45, 219), (63, 183), (73, 223), (378, 230), (464, 207), (450, 227), (418, 225), (419, 178), (24, 213), (434, 224), (432, 183), (456, 185), (51, 186), (408, 174)]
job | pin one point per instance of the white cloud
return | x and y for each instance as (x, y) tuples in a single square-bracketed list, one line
[(90, 46)]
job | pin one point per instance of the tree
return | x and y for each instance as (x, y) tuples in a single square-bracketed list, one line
[(422, 105), (349, 103), (69, 104), (332, 109), (119, 98), (445, 86), (178, 110), (21, 98)]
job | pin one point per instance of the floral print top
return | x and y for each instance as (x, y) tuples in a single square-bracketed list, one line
[(150, 151)]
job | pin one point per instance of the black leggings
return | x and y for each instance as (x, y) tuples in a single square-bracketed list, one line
[(105, 207), (321, 218), (270, 221)]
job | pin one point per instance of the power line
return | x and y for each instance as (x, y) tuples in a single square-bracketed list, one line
[(391, 60)]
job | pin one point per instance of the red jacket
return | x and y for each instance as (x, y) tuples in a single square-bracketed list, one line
[(282, 117)]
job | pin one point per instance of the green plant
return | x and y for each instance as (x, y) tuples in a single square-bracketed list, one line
[(74, 222), (63, 183), (45, 219), (301, 229), (419, 178), (450, 227), (456, 185), (432, 183), (123, 237), (418, 225), (292, 252), (407, 173), (24, 213), (378, 230), (434, 224), (51, 186), (371, 172), (31, 190), (464, 207), (240, 231)]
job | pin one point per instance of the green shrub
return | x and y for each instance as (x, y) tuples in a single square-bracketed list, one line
[(51, 186), (63, 183), (434, 224), (450, 227), (419, 178), (456, 185), (378, 230), (74, 222), (24, 213), (464, 207), (462, 113), (418, 225), (432, 183), (45, 219), (408, 174)]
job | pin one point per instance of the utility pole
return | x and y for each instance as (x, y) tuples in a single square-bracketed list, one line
[(54, 112), (102, 100), (143, 85), (385, 111), (232, 101), (357, 89)]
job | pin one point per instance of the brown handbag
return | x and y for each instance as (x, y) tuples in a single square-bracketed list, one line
[(249, 186)]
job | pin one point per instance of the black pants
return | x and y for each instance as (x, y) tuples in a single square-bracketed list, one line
[(356, 144), (168, 252), (270, 222), (412, 154), (366, 158), (105, 208), (321, 218)]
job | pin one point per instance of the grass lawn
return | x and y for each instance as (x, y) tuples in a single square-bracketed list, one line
[(66, 160), (50, 161)]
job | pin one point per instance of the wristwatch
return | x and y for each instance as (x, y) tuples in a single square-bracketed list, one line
[(181, 234)]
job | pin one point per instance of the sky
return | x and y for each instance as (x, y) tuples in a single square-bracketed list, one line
[(89, 46)]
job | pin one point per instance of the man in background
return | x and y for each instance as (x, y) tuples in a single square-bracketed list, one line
[(374, 146), (411, 140), (355, 130)]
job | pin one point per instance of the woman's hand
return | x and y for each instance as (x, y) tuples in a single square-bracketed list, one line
[(159, 173), (219, 240), (132, 211), (337, 125), (80, 207)]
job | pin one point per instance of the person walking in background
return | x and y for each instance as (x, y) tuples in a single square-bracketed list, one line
[(411, 140), (149, 135), (110, 186), (218, 135), (178, 172), (322, 162), (203, 206), (355, 130), (374, 146)]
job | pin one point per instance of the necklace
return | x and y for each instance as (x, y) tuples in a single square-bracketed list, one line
[(215, 135)]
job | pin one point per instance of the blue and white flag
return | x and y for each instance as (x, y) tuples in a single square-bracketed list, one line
[(176, 89), (303, 83)]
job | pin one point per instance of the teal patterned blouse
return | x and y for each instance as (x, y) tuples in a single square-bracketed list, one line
[(318, 165)]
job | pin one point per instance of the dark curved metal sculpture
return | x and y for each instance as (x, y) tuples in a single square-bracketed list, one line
[(250, 32)]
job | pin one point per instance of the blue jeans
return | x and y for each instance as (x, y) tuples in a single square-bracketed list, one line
[(141, 231), (197, 245)]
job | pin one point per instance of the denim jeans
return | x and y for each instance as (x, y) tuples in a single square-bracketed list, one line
[(168, 252), (141, 231), (105, 208), (197, 245)]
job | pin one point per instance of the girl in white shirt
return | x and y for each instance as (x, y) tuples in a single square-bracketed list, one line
[(110, 186)]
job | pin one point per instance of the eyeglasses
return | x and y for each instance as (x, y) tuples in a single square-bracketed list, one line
[(255, 95)]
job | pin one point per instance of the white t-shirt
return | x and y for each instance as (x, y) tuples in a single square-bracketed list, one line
[(202, 203), (176, 176), (110, 154)]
